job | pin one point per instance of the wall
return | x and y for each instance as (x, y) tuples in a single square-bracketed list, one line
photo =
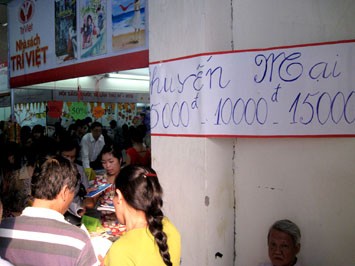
[(223, 194)]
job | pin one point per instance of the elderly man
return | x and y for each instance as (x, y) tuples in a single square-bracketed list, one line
[(283, 243), (41, 236), (91, 146)]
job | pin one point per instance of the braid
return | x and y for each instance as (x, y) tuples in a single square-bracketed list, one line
[(155, 226), (141, 189), (155, 217)]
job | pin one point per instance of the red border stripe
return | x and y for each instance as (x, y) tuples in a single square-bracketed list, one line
[(99, 66), (252, 50), (251, 136)]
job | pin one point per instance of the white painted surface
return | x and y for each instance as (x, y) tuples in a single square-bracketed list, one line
[(133, 83), (310, 181)]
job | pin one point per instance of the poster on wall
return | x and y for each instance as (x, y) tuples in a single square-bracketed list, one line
[(302, 90), (65, 31), (92, 28), (48, 113), (55, 40), (128, 24)]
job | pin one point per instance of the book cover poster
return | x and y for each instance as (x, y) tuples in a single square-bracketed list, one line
[(128, 24), (65, 31), (93, 28)]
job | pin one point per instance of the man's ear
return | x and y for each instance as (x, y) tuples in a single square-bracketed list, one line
[(65, 193), (298, 248)]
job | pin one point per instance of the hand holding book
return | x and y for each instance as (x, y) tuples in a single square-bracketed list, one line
[(97, 190)]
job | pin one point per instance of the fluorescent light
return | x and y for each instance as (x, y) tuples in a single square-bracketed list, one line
[(127, 76)]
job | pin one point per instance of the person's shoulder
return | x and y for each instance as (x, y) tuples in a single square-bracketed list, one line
[(120, 253), (265, 264), (8, 222), (169, 227), (69, 230), (51, 225), (102, 138), (298, 263), (86, 137), (166, 222), (4, 262), (131, 151), (124, 245)]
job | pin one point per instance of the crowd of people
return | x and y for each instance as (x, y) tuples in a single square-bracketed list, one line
[(44, 184), (82, 142), (44, 181)]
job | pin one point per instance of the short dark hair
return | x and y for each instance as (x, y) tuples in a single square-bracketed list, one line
[(69, 144), (38, 129), (80, 123), (51, 174), (113, 123), (95, 124)]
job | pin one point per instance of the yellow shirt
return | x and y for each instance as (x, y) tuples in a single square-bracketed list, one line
[(137, 247)]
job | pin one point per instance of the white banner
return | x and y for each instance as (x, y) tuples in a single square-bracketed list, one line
[(100, 96), (306, 90), (3, 79)]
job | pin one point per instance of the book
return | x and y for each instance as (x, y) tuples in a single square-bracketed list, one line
[(106, 207), (98, 190)]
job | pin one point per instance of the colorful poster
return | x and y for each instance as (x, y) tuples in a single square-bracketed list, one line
[(128, 24), (93, 28), (61, 39), (78, 110), (98, 111), (54, 109), (65, 31)]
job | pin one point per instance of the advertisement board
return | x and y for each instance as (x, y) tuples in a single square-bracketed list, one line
[(55, 40)]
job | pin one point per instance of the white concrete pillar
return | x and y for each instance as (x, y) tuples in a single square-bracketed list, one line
[(223, 194)]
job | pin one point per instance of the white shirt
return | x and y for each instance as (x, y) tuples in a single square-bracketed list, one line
[(90, 148), (4, 262), (43, 213), (270, 264)]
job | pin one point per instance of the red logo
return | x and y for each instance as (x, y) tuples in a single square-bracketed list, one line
[(26, 11)]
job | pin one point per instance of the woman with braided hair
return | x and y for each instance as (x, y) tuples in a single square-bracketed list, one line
[(150, 238)]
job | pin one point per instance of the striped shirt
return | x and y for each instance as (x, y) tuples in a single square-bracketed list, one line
[(41, 236)]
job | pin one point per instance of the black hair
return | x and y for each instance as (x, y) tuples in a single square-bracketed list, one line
[(95, 124), (38, 129), (137, 134), (112, 149), (113, 123), (69, 144), (50, 175), (141, 189)]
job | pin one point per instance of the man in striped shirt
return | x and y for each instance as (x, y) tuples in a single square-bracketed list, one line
[(41, 236)]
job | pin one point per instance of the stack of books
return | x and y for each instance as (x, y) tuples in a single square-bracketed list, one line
[(106, 207), (98, 190)]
